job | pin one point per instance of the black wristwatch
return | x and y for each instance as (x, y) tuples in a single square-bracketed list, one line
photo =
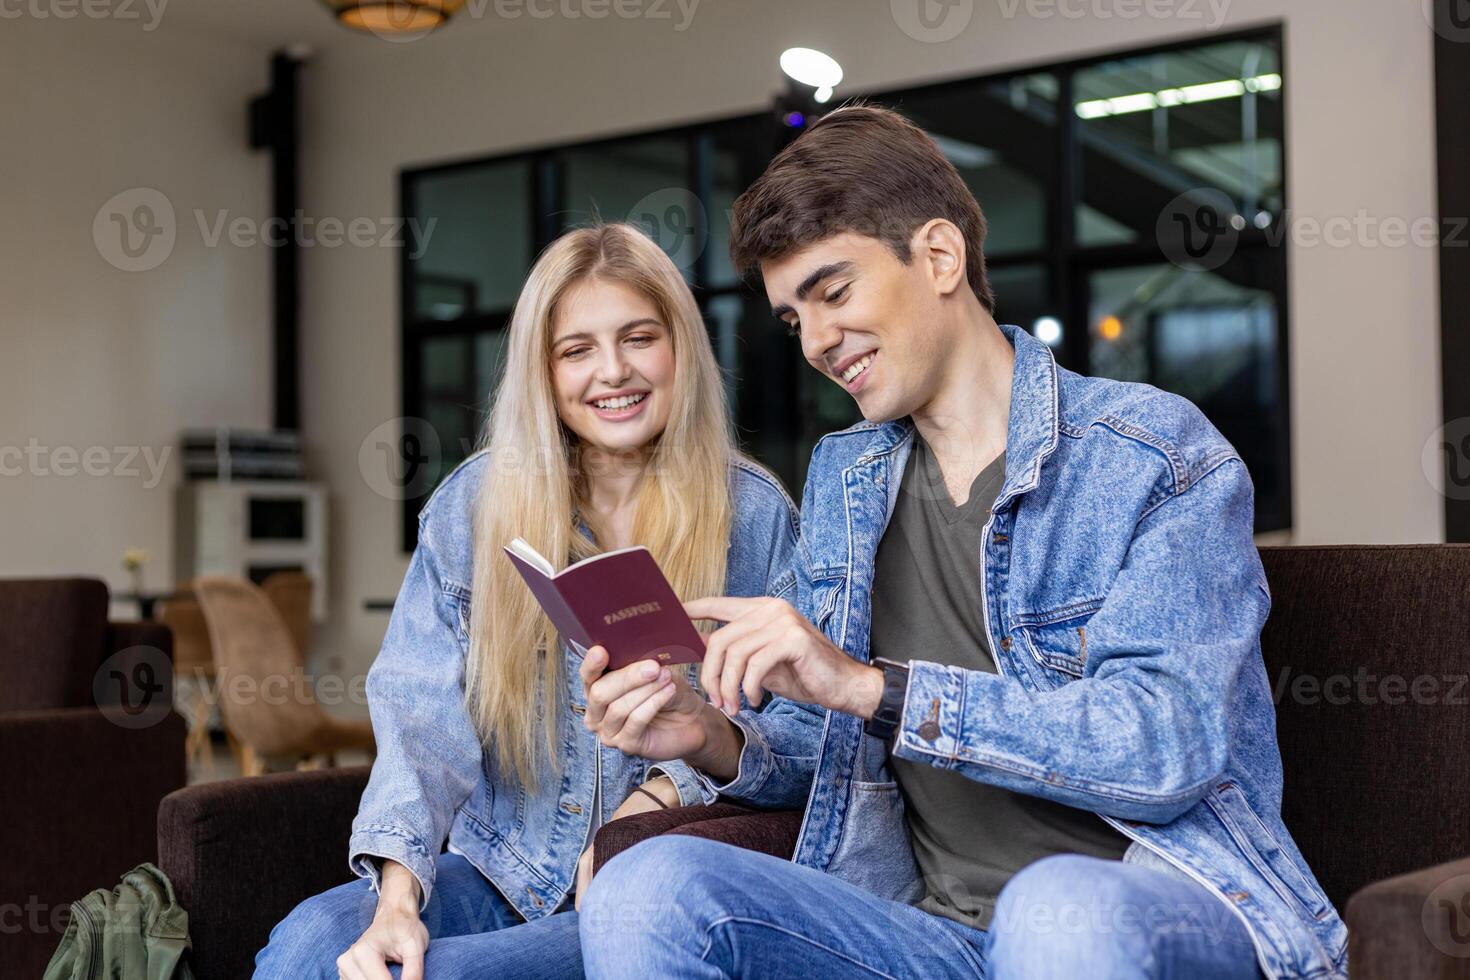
[(890, 708)]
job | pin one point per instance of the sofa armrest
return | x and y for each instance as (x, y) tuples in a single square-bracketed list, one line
[(1412, 925), (755, 830), (122, 634), (242, 853), (78, 803)]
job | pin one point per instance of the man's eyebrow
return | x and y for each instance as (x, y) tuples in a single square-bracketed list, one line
[(810, 283)]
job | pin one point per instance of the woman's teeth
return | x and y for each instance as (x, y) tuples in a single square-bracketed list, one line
[(856, 369), (626, 401)]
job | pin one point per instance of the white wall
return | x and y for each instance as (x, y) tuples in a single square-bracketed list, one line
[(98, 360)]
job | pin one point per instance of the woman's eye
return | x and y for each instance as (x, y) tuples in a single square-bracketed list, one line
[(642, 340), (574, 352)]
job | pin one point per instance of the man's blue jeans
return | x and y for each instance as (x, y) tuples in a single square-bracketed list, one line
[(684, 907), (473, 932)]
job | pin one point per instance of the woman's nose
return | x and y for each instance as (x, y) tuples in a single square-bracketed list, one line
[(613, 369)]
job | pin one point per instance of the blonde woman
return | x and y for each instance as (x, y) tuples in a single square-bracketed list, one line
[(609, 429)]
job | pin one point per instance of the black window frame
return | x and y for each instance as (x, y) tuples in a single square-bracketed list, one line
[(1068, 265)]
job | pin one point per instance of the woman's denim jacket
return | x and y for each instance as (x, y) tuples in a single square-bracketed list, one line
[(431, 777), (1124, 599)]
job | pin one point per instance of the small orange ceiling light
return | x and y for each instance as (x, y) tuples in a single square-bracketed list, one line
[(1110, 328), (393, 17)]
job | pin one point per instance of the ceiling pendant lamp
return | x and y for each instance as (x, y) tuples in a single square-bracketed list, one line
[(392, 18)]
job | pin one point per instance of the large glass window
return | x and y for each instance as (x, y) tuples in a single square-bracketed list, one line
[(1131, 202)]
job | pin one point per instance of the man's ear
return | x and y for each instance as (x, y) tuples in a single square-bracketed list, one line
[(939, 245)]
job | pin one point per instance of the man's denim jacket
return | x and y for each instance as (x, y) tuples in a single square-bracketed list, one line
[(1124, 600), (431, 777)]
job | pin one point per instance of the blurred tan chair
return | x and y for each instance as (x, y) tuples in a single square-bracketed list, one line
[(194, 661), (290, 593), (274, 714)]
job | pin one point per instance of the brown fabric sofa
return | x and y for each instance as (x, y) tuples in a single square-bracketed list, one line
[(79, 788), (1377, 776)]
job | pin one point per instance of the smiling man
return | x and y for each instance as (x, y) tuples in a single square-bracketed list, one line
[(1020, 694)]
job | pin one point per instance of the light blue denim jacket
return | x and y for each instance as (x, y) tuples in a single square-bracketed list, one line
[(431, 777), (1124, 600)]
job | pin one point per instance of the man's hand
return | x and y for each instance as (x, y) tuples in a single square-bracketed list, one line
[(663, 788), (644, 709), (766, 645)]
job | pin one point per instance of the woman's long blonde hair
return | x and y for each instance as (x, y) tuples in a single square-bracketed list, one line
[(535, 487)]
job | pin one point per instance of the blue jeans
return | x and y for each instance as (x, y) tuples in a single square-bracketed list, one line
[(684, 907), (473, 932)]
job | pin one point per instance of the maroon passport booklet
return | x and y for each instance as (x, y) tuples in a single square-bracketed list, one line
[(619, 600)]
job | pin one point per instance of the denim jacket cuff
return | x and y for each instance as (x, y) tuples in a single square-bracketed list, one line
[(930, 727), (394, 845), (693, 787), (756, 763)]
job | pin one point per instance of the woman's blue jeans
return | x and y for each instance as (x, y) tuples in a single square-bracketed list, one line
[(473, 932)]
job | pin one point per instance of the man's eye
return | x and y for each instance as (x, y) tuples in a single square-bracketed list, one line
[(837, 294)]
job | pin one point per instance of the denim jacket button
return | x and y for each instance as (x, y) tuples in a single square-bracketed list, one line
[(929, 731)]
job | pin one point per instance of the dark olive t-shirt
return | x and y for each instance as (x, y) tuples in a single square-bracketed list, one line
[(969, 837)]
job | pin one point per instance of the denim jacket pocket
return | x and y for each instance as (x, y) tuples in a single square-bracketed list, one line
[(1264, 851), (874, 851), (1059, 646), (827, 589)]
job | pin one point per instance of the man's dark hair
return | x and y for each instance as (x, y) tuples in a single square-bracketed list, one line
[(863, 169)]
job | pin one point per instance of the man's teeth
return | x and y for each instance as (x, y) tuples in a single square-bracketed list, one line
[(858, 368), (625, 401)]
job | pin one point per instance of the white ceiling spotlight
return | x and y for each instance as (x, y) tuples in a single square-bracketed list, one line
[(813, 68)]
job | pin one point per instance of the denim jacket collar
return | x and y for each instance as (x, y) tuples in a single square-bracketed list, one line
[(1031, 432)]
